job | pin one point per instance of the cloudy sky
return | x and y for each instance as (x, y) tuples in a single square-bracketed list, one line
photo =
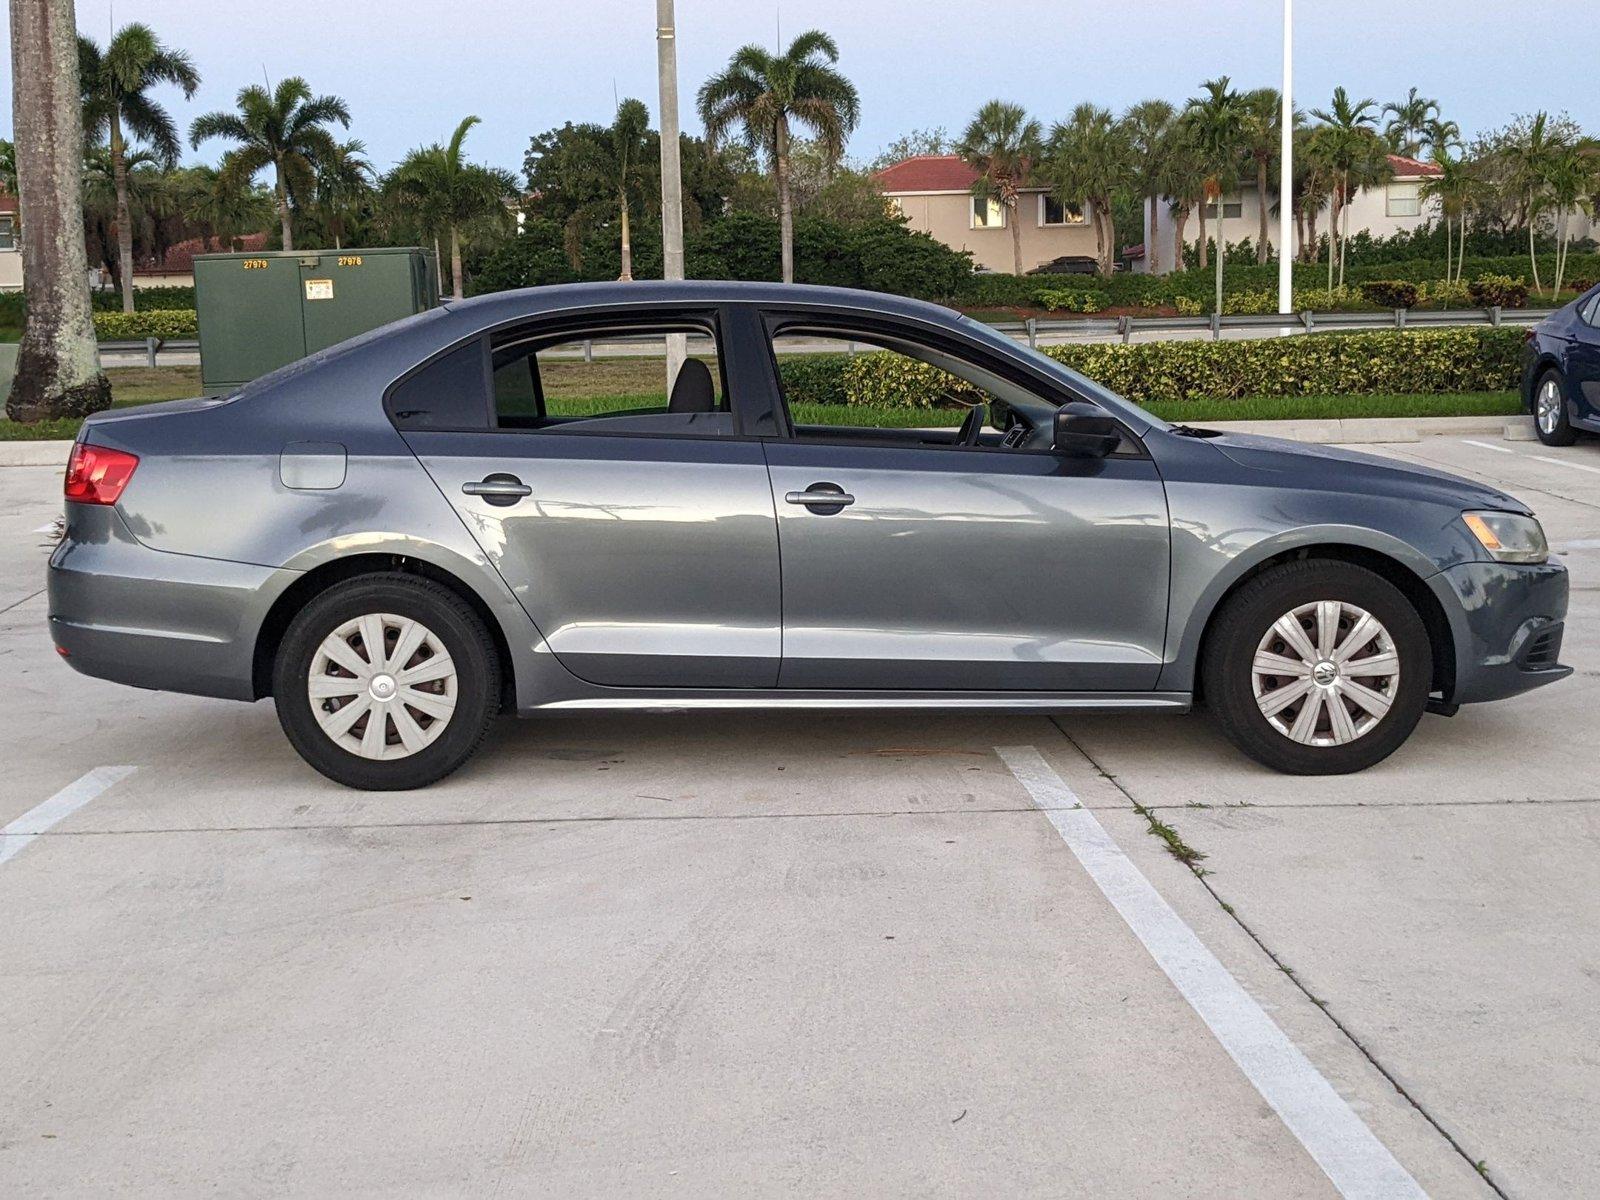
[(410, 69)]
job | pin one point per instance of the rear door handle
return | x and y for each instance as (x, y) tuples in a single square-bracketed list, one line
[(500, 489), (827, 497)]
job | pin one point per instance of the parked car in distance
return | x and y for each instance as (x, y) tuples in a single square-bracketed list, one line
[(1561, 371), (410, 533), (1068, 264)]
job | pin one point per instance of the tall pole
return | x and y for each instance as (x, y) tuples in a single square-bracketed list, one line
[(671, 172), (1286, 169)]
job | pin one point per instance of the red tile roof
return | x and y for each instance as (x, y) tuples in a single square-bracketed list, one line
[(927, 173), (1406, 167)]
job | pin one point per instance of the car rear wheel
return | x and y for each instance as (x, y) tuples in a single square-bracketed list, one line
[(386, 682), (1318, 668), (1550, 411)]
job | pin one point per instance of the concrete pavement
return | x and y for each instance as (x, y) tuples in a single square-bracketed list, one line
[(716, 954)]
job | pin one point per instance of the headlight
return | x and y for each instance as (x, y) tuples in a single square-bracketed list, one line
[(1508, 537)]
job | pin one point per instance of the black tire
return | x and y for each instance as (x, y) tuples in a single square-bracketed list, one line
[(453, 623), (1237, 632), (1561, 432)]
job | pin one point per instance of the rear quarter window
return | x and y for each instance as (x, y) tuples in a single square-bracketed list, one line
[(451, 392)]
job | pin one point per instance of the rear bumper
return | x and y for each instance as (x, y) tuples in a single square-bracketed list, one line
[(169, 622), (1507, 624)]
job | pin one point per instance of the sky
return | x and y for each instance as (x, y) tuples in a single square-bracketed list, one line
[(411, 69)]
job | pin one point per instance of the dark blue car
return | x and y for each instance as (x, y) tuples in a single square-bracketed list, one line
[(1561, 371)]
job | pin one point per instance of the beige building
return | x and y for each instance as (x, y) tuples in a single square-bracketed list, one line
[(934, 192), (10, 247)]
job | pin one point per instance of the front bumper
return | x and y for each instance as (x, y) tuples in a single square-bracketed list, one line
[(170, 622), (1507, 625)]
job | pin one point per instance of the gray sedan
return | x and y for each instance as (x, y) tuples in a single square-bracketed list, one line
[(465, 514)]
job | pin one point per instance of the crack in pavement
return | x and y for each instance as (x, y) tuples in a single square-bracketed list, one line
[(1199, 873)]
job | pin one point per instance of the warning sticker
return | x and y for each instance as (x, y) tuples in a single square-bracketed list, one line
[(319, 289)]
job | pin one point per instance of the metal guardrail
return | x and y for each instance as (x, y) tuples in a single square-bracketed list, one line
[(1119, 327), (1301, 322)]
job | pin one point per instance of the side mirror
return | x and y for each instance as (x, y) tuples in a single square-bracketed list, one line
[(1084, 430)]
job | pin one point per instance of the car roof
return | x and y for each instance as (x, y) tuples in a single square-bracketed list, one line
[(497, 306)]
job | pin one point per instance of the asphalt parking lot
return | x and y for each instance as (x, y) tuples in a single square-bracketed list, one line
[(820, 954)]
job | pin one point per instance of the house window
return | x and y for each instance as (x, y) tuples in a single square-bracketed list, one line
[(1403, 199), (1058, 212), (988, 213), (1231, 207), (8, 233)]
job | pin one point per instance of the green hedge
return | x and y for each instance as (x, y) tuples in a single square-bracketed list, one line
[(156, 323), (1427, 361)]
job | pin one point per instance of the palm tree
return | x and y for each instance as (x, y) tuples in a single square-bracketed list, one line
[(1215, 124), (1263, 121), (58, 369), (1572, 179), (1345, 144), (1531, 158), (8, 167), (610, 166), (221, 206), (122, 204), (115, 84), (1001, 143), (1407, 128), (1183, 178), (1455, 188), (447, 193), (765, 94), (285, 129), (1090, 157), (1149, 127), (345, 179), (1441, 137)]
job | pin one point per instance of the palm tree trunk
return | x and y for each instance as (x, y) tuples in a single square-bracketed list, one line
[(1222, 249), (1532, 256), (780, 164), (455, 262), (1344, 230), (58, 369), (119, 176), (1204, 254), (283, 211), (1014, 219), (627, 246), (1449, 246), (1108, 240), (1180, 220), (1261, 199)]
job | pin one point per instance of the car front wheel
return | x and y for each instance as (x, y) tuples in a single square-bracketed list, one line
[(386, 682), (1317, 668), (1550, 411)]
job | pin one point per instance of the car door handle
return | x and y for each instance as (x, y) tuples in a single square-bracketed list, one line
[(498, 489), (821, 495)]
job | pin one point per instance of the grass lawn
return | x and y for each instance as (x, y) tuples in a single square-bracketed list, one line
[(610, 384)]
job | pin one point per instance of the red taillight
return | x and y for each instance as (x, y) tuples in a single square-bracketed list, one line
[(96, 475)]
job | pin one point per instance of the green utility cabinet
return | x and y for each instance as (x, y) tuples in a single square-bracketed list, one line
[(258, 312)]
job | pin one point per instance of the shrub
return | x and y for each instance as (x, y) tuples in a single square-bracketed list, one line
[(156, 323), (1439, 294), (144, 298), (1078, 300), (1472, 359), (1187, 307), (1391, 293), (1488, 291)]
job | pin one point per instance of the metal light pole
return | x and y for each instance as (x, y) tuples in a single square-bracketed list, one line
[(1286, 169), (671, 172)]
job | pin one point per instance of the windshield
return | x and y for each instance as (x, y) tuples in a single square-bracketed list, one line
[(1081, 384)]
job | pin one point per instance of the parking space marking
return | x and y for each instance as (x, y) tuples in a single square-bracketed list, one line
[(1358, 1164), (1566, 462), (14, 838), (1487, 446)]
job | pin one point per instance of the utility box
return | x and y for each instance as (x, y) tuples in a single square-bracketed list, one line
[(258, 312)]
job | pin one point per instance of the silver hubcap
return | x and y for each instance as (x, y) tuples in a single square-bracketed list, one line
[(1325, 673), (1549, 406), (382, 686)]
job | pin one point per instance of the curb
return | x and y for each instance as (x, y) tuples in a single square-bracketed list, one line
[(1355, 432)]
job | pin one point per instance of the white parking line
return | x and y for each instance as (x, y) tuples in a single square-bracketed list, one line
[(1353, 1158), (1566, 462), (15, 837), (1486, 446)]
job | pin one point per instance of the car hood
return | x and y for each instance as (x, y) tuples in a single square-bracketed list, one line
[(1336, 469)]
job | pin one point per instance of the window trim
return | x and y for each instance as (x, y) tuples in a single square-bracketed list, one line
[(1210, 208), (1081, 223), (999, 206), (1389, 198)]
